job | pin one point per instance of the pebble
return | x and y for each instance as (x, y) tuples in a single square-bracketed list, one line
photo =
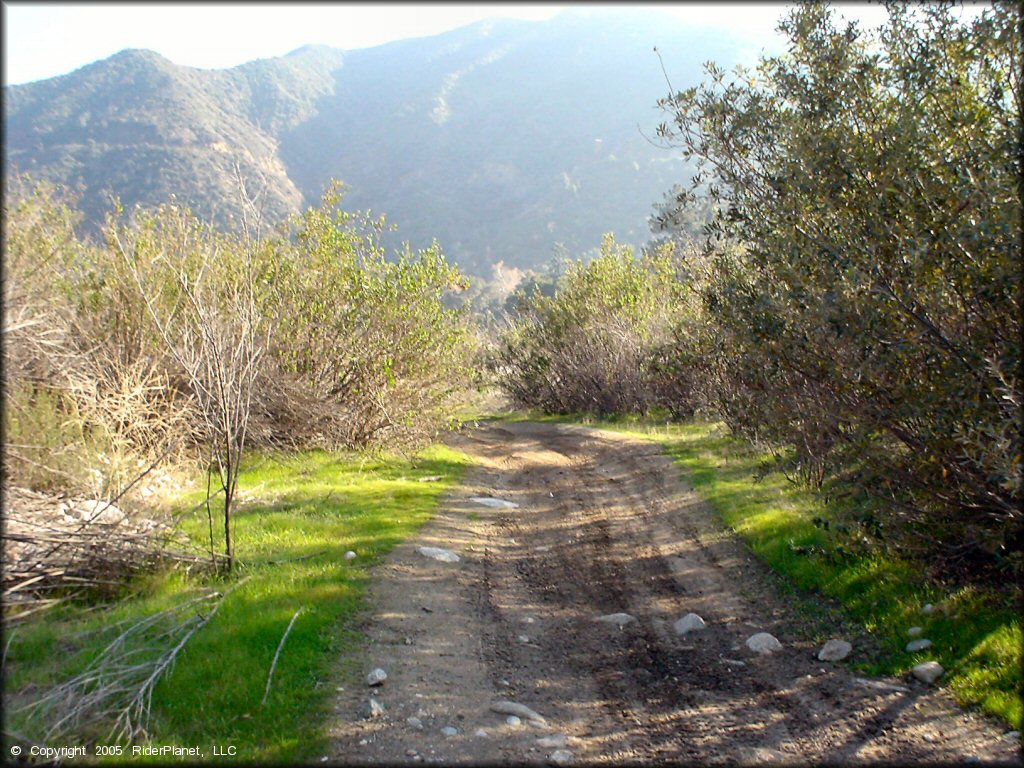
[(618, 619), (513, 721), (689, 623), (490, 501), (415, 722), (411, 753), (521, 711), (763, 642), (450, 731), (918, 645), (371, 709), (560, 757), (928, 671), (350, 555), (376, 677), (481, 733), (437, 553), (914, 631), (523, 639), (834, 650), (928, 609)]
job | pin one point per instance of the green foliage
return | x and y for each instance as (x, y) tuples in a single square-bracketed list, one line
[(862, 292), (370, 339), (587, 347), (298, 515)]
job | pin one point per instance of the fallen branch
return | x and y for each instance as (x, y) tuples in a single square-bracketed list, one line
[(273, 664)]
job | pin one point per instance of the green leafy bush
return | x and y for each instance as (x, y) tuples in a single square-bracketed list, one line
[(863, 275), (589, 347)]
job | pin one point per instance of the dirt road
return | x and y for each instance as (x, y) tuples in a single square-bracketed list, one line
[(604, 525)]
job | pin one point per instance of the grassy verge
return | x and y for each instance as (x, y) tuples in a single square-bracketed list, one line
[(298, 516), (975, 635)]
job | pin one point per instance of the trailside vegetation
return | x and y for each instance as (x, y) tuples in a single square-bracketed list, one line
[(860, 280)]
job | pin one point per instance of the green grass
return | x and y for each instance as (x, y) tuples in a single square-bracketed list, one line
[(297, 518), (976, 636)]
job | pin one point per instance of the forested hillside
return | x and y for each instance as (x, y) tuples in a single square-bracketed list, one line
[(500, 139)]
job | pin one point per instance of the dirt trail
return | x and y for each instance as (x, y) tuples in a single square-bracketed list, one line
[(605, 525)]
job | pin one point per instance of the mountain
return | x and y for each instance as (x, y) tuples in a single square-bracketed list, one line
[(499, 139)]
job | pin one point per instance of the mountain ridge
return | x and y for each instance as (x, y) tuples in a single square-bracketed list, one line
[(502, 139)]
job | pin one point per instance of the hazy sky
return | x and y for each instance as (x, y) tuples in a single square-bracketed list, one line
[(42, 40)]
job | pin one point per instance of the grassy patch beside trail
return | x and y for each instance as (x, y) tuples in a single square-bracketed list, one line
[(976, 636), (298, 515)]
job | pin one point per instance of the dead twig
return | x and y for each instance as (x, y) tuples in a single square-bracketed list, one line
[(273, 664)]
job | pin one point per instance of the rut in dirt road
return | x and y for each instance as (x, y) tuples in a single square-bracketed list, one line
[(604, 525)]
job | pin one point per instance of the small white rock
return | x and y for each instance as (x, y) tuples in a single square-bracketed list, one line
[(834, 650), (928, 609), (689, 623), (928, 671), (914, 631), (918, 645), (449, 731), (436, 553), (350, 555), (560, 757), (523, 639), (481, 733), (513, 721), (763, 642), (618, 619), (415, 722), (376, 677), (490, 501)]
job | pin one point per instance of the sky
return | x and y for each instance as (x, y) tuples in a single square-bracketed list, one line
[(43, 40)]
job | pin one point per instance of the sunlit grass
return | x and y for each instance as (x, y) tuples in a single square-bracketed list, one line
[(297, 516)]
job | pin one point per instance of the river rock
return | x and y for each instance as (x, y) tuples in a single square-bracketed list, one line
[(376, 677), (834, 650), (450, 731), (505, 707), (522, 638), (490, 501), (560, 757), (436, 553), (928, 671), (514, 721), (350, 555), (918, 645), (414, 722), (914, 631), (763, 642), (371, 709), (928, 609), (689, 623), (618, 619)]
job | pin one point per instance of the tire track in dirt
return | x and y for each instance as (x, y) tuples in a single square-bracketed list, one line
[(605, 525)]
